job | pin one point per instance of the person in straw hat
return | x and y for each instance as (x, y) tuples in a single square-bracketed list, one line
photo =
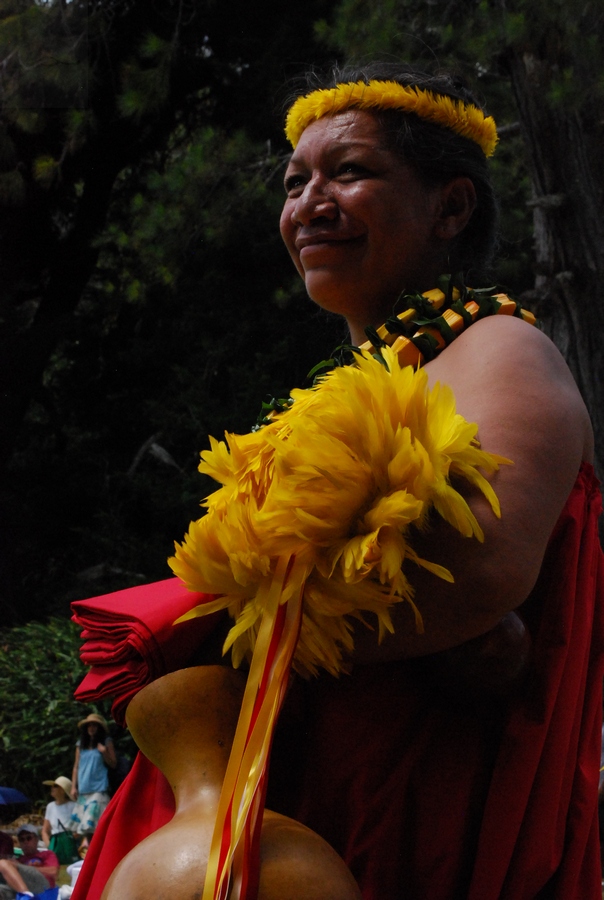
[(94, 755), (57, 817)]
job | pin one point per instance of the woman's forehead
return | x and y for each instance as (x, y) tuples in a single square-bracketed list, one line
[(353, 127)]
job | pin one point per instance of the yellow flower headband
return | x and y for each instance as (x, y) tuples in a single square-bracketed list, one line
[(464, 119)]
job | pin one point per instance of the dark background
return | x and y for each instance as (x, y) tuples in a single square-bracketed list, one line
[(145, 298)]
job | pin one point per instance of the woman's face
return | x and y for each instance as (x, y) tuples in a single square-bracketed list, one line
[(357, 221), (58, 794)]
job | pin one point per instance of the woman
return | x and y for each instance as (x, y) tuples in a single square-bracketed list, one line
[(94, 754), (57, 816), (453, 761)]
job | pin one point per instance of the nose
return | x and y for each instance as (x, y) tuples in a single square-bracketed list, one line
[(314, 203)]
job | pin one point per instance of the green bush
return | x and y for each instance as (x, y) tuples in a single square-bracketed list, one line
[(39, 670)]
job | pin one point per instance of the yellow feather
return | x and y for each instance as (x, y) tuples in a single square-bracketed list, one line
[(334, 482)]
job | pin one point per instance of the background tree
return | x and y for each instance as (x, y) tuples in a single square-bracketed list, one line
[(147, 201), (39, 670), (90, 89)]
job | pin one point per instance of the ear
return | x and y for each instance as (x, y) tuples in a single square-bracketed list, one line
[(458, 201)]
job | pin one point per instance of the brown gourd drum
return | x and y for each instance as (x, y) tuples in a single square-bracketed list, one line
[(185, 723)]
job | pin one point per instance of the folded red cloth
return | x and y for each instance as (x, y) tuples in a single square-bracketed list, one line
[(130, 638)]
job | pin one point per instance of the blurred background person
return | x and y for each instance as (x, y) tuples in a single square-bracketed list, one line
[(94, 755), (56, 830)]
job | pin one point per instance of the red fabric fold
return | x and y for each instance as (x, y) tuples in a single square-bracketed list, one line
[(130, 639), (547, 774)]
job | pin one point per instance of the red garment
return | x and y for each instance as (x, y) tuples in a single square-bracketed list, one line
[(425, 798), (41, 858)]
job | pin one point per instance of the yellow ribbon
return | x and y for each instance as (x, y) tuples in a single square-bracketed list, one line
[(241, 801)]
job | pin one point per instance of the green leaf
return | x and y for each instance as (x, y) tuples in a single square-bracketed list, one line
[(45, 170), (426, 344), (374, 337)]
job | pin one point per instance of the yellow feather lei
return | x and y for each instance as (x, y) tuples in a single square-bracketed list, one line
[(335, 483), (464, 119)]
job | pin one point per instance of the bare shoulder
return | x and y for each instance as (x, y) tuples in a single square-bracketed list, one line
[(503, 344), (511, 379)]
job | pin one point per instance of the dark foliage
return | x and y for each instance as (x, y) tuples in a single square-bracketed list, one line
[(145, 300)]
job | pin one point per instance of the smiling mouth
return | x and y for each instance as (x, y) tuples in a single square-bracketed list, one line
[(317, 246)]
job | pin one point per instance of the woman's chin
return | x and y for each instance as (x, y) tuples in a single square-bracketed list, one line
[(344, 297), (331, 290)]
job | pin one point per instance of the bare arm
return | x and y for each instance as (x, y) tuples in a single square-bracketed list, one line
[(107, 751), (12, 876), (511, 380), (46, 832)]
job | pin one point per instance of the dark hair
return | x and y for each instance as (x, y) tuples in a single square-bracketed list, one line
[(89, 741), (437, 154)]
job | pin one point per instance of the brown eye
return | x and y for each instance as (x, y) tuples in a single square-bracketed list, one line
[(294, 183), (353, 170)]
